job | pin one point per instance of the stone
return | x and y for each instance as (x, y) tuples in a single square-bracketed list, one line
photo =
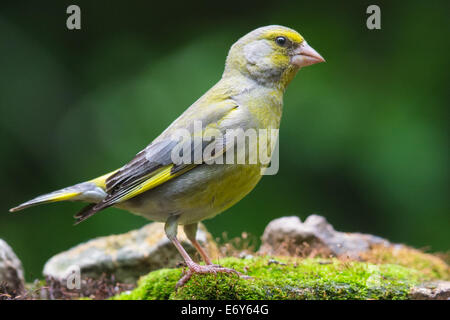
[(290, 236), (11, 271), (126, 256), (436, 290)]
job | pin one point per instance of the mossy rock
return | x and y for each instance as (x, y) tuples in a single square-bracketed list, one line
[(285, 278)]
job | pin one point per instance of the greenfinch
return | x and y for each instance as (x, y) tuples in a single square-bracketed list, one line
[(258, 68)]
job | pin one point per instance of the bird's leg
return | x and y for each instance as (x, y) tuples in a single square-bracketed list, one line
[(191, 231), (171, 232)]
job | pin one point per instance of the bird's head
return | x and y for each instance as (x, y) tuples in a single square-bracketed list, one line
[(271, 55)]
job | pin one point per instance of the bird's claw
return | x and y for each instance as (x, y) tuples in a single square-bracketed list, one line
[(211, 268)]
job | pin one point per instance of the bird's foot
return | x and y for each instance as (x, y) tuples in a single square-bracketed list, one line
[(210, 268)]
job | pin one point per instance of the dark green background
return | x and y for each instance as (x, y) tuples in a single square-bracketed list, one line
[(364, 140)]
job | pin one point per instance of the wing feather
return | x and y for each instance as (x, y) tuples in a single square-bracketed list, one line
[(153, 166)]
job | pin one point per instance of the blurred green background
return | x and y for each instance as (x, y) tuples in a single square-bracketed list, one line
[(364, 140)]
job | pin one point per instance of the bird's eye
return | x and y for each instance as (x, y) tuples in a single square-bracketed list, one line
[(281, 41)]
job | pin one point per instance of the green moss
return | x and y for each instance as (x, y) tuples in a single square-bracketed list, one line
[(156, 285), (288, 278), (426, 263)]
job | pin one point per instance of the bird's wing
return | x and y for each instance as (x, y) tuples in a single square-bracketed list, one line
[(153, 166)]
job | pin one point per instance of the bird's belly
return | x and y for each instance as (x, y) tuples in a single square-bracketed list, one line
[(201, 193)]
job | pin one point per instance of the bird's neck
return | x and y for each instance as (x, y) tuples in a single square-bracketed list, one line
[(264, 102), (277, 79)]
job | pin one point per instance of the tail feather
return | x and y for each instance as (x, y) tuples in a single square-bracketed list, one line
[(85, 213), (60, 195), (90, 191)]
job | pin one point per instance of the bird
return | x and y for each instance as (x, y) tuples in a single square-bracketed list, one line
[(158, 186)]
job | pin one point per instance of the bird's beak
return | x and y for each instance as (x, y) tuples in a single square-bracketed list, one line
[(306, 56)]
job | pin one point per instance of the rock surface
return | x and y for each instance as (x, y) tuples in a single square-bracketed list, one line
[(288, 235), (126, 256), (437, 290), (11, 271)]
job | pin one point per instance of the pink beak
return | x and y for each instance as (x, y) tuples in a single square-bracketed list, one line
[(306, 56)]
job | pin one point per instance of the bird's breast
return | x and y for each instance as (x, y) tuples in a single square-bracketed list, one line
[(198, 194)]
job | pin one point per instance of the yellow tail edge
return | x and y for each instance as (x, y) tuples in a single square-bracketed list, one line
[(71, 193), (46, 198)]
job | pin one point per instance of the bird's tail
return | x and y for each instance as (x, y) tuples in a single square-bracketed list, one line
[(90, 191)]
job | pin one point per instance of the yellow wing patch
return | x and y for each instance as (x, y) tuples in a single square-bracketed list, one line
[(158, 177), (101, 181)]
